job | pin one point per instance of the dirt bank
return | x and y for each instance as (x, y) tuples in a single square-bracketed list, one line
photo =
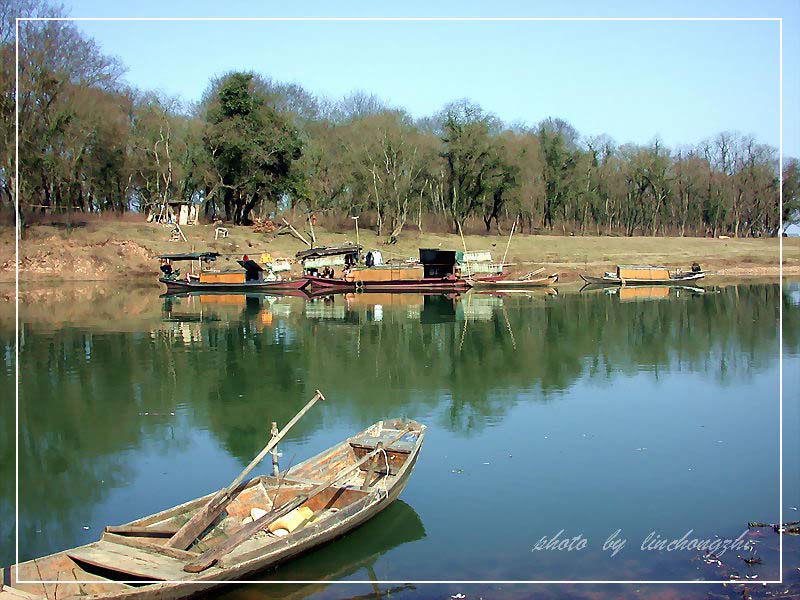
[(114, 250)]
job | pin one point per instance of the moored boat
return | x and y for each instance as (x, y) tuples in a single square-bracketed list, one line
[(645, 275), (528, 281), (250, 277), (267, 521), (337, 269)]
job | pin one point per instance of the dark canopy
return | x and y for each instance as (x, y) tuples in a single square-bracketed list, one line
[(328, 251), (208, 256)]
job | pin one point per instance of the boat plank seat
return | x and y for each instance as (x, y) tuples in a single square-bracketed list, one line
[(132, 561), (396, 453), (370, 442)]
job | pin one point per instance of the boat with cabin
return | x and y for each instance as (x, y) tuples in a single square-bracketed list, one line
[(338, 268), (248, 527), (646, 275), (202, 276)]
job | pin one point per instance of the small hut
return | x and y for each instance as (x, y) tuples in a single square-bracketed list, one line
[(180, 212)]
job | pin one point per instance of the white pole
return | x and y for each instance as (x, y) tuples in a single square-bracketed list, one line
[(358, 241), (508, 245)]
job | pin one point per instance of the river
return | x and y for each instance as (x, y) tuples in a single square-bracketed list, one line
[(567, 431)]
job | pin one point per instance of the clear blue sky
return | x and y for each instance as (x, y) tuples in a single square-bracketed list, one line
[(682, 81)]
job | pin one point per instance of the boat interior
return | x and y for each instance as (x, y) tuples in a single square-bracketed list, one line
[(136, 553)]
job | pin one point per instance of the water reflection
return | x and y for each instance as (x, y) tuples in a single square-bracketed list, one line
[(354, 556), (124, 415), (643, 292)]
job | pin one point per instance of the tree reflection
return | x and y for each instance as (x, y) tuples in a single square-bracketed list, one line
[(249, 361)]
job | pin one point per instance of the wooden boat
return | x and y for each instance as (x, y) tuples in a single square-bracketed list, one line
[(343, 487), (252, 277), (644, 275), (528, 281), (436, 271)]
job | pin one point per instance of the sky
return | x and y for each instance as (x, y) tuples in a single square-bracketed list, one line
[(681, 81)]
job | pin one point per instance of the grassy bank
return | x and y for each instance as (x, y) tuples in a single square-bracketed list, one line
[(113, 250)]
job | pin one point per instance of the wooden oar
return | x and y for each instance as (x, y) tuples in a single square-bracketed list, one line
[(532, 273), (205, 516), (208, 558)]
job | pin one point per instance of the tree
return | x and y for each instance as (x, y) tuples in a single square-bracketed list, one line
[(557, 140), (474, 167), (390, 154), (59, 68), (252, 147), (791, 192)]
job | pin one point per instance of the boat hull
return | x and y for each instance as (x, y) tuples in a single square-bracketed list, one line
[(617, 281), (520, 284), (398, 285), (179, 285)]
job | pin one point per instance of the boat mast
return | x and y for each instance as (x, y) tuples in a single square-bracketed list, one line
[(508, 245)]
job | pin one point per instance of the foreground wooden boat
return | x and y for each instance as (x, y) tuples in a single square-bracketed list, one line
[(133, 561), (645, 275)]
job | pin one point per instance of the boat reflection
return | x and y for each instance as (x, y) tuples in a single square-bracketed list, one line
[(360, 550), (644, 292), (358, 307), (427, 308)]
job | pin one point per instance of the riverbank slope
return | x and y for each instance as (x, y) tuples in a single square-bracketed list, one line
[(121, 249)]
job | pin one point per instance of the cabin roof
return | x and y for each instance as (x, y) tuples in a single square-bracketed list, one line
[(190, 256), (641, 267), (328, 251)]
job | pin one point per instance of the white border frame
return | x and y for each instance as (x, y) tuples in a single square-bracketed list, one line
[(779, 20)]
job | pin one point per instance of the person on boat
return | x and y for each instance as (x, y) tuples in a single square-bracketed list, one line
[(166, 268), (696, 268)]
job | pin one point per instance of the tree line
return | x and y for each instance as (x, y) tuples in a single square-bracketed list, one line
[(252, 147)]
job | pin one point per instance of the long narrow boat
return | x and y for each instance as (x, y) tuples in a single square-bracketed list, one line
[(644, 275), (132, 561), (516, 284)]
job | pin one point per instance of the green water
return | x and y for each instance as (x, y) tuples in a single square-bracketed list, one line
[(582, 412)]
